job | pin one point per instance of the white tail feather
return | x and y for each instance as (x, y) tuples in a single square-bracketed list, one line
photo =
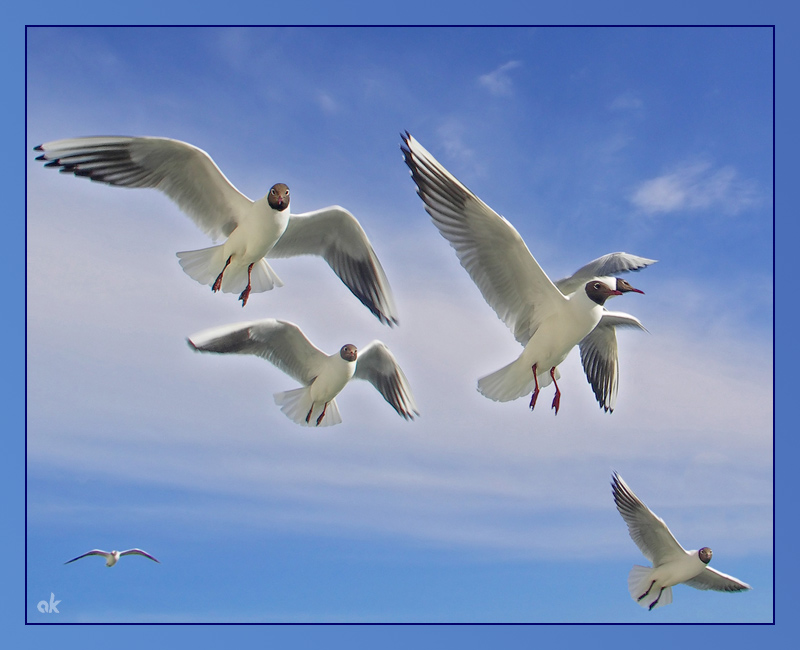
[(639, 581), (202, 265), (205, 265), (512, 381), (263, 278), (297, 403)]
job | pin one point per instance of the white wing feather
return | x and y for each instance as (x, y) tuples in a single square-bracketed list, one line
[(280, 342), (488, 246), (377, 365), (186, 174)]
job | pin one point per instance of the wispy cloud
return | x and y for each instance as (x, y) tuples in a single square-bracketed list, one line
[(327, 103), (696, 186), (451, 135), (498, 81), (626, 101), (470, 473)]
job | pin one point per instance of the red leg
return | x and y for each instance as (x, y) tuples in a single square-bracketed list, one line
[(536, 388), (557, 398), (308, 417), (218, 281), (246, 293)]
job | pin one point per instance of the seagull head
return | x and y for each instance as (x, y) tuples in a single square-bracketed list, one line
[(278, 197), (349, 352), (601, 289), (704, 554), (623, 286)]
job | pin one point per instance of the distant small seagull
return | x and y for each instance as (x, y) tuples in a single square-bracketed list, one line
[(254, 229), (323, 376), (113, 557), (547, 318), (651, 587)]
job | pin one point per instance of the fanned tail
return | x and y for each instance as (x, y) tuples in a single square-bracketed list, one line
[(512, 381), (639, 582), (296, 404), (205, 265)]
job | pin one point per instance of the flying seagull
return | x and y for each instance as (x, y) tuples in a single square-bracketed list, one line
[(113, 557), (547, 318), (651, 587), (252, 230), (323, 376)]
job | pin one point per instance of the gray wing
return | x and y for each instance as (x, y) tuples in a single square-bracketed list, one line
[(488, 246), (137, 551), (281, 343), (377, 365), (186, 174), (600, 359), (648, 530), (96, 551), (712, 579), (611, 264), (335, 235)]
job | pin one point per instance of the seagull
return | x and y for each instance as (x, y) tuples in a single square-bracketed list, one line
[(548, 319), (323, 376), (651, 587), (253, 229), (113, 557)]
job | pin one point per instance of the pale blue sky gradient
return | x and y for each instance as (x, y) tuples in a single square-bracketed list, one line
[(654, 141)]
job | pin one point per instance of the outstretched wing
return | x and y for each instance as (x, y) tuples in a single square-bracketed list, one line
[(611, 264), (183, 172), (600, 359), (96, 551), (710, 578), (281, 343), (335, 235), (488, 246), (138, 551), (649, 531), (377, 365)]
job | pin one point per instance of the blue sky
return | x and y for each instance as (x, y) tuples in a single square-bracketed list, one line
[(653, 141)]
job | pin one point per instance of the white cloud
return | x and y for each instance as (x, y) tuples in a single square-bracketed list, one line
[(143, 408), (498, 81), (696, 186), (626, 101), (327, 103)]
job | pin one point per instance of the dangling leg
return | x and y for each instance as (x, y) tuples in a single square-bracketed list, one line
[(653, 604), (218, 281), (246, 293), (557, 398), (322, 415), (536, 387), (648, 591)]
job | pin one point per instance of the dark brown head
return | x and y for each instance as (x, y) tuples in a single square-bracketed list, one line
[(623, 286), (598, 291), (349, 352), (704, 554), (278, 197)]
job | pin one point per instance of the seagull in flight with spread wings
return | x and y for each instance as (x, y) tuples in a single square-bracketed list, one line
[(252, 230), (651, 587), (323, 376), (547, 318), (113, 557)]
